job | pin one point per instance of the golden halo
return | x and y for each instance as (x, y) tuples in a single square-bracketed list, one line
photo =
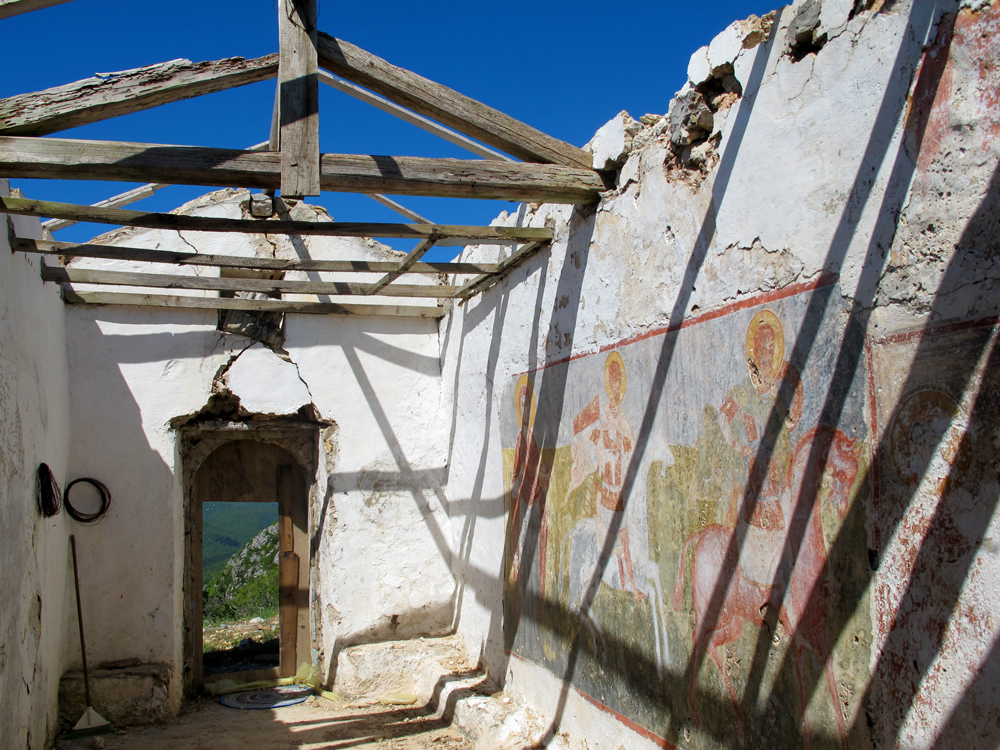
[(769, 319), (614, 357), (524, 384)]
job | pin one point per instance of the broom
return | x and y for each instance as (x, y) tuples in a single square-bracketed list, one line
[(91, 722)]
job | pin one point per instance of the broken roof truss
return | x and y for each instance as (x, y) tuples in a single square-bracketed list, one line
[(549, 171)]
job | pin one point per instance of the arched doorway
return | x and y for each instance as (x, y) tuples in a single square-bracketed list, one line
[(251, 466)]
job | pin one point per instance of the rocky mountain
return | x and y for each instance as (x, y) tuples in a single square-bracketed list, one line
[(248, 584), (227, 527)]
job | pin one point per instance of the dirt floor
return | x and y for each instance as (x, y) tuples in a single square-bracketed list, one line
[(238, 646), (206, 725)]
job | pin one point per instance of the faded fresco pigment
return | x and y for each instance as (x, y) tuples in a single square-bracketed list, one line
[(628, 480), (935, 398)]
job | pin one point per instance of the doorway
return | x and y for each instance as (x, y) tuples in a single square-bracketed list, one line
[(250, 470), (240, 572)]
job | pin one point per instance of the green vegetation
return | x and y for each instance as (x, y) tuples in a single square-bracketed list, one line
[(248, 584), (227, 527)]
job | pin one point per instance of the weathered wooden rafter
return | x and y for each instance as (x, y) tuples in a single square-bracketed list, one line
[(403, 175), (106, 96), (223, 284), (411, 258), (9, 8), (424, 123), (123, 199), (445, 105), (484, 282), (253, 305), (144, 255), (557, 172), (115, 201), (398, 208), (298, 95), (149, 189), (179, 222)]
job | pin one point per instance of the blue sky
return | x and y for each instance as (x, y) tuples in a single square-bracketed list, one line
[(563, 67)]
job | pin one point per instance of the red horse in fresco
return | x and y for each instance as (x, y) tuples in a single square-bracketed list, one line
[(746, 601)]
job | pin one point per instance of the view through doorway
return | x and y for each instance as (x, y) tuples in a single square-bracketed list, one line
[(247, 585), (240, 574)]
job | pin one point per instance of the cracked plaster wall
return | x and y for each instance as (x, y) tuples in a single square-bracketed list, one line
[(35, 587), (375, 381), (871, 161)]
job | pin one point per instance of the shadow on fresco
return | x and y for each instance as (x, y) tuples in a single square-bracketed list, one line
[(646, 533)]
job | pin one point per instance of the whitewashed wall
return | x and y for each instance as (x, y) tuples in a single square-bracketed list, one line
[(35, 602), (873, 159), (385, 567)]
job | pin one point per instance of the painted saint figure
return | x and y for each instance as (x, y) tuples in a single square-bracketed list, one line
[(605, 444), (529, 486), (757, 421)]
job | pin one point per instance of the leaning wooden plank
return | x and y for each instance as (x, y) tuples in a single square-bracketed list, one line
[(10, 8), (411, 258), (127, 217), (395, 175), (220, 284), (424, 123), (298, 88), (266, 305), (487, 280), (105, 96), (115, 201), (399, 209), (445, 105), (144, 255)]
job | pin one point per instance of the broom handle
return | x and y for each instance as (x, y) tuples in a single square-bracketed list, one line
[(79, 618)]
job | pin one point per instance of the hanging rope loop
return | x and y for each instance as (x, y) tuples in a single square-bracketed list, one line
[(47, 492), (102, 491)]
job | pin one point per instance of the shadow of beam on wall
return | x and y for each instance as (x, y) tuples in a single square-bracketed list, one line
[(805, 632), (943, 560), (533, 458), (464, 552), (699, 251), (149, 347)]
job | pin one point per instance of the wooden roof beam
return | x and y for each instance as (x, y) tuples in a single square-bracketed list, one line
[(122, 199), (425, 97), (298, 107), (105, 96), (71, 296), (408, 262), (224, 284), (145, 255), (179, 222), (424, 123), (399, 209), (395, 175), (9, 8), (484, 282)]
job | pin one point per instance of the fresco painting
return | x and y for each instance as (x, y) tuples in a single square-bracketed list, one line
[(638, 494), (936, 401)]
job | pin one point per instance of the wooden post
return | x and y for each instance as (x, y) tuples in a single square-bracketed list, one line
[(300, 537), (288, 572), (288, 612), (298, 84), (274, 139)]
